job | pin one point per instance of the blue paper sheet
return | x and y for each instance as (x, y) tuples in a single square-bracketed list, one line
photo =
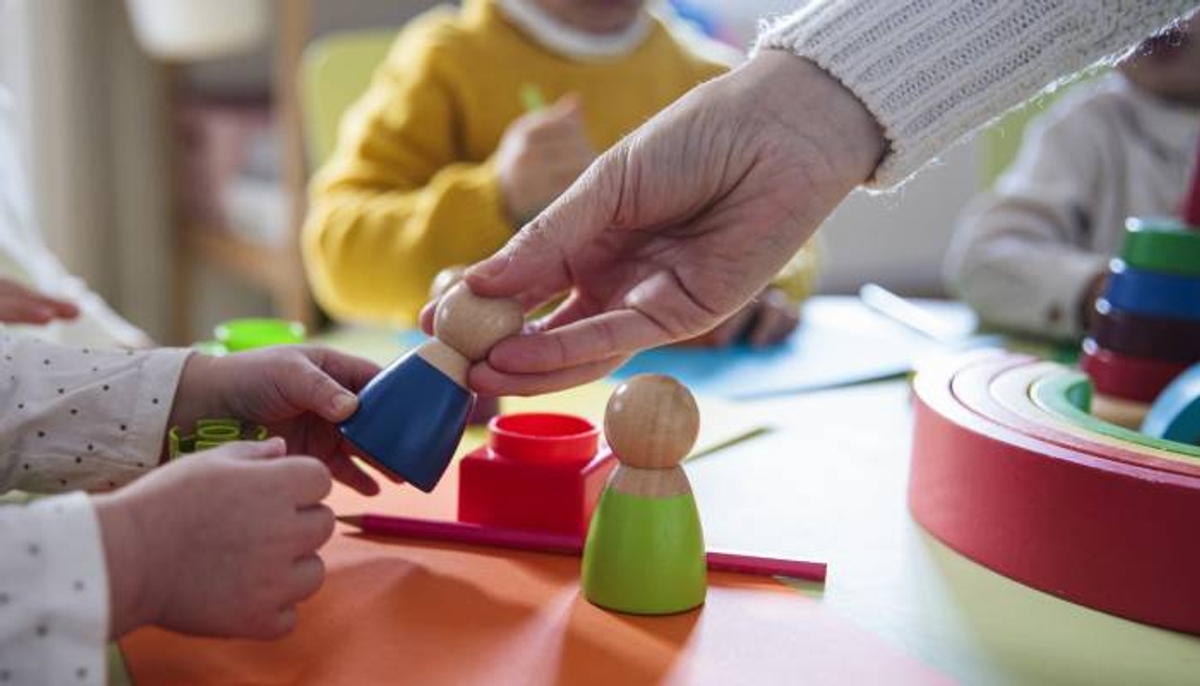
[(840, 341)]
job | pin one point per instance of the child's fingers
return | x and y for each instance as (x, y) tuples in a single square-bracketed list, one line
[(730, 330), (569, 105), (308, 573), (252, 450), (313, 526), (345, 471), (305, 385), (306, 479), (13, 311)]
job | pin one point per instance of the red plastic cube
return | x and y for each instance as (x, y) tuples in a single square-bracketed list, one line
[(541, 472)]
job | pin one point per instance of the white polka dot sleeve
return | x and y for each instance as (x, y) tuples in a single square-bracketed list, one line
[(79, 418), (932, 71), (53, 593)]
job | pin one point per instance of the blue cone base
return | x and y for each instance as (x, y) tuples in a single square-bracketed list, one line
[(409, 421)]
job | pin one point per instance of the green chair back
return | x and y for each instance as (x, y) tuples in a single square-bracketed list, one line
[(335, 72)]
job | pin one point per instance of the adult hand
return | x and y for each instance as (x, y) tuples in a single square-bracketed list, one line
[(221, 543), (540, 156), (680, 224), (766, 320), (299, 393), (21, 305)]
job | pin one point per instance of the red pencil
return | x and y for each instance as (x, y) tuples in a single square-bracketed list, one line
[(475, 534)]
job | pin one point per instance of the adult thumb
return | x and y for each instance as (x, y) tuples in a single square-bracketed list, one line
[(534, 265)]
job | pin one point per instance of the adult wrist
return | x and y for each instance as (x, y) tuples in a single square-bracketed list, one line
[(810, 102)]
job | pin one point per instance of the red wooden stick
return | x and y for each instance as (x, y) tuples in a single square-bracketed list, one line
[(1191, 203), (475, 534)]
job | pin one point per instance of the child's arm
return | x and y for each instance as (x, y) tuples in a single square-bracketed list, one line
[(396, 203), (1021, 254), (53, 593), (81, 418)]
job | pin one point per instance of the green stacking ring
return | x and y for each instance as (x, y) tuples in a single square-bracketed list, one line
[(211, 433), (1162, 244), (1068, 395)]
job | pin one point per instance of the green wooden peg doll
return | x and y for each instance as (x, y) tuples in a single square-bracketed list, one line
[(645, 548)]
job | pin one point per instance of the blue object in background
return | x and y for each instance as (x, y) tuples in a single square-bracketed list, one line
[(410, 419), (702, 20), (1153, 293), (1175, 414)]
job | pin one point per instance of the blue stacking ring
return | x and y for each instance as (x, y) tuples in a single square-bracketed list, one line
[(1175, 415), (1153, 293)]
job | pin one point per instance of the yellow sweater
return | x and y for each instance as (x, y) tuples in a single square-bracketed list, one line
[(412, 188)]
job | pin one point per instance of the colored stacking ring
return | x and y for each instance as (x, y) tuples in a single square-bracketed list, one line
[(1162, 245), (1123, 376), (211, 433), (1104, 526), (982, 389), (1175, 415), (1140, 335), (1153, 293), (1063, 395)]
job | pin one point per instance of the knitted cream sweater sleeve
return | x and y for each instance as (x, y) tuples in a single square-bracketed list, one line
[(932, 71)]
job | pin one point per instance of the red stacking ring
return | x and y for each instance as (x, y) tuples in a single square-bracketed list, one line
[(1125, 376), (1140, 335), (543, 437), (1083, 525)]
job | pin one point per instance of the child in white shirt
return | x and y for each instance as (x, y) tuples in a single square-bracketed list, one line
[(1032, 254), (72, 313)]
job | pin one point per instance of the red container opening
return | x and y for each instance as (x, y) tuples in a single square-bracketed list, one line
[(543, 437)]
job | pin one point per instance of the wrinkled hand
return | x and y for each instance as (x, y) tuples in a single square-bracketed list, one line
[(679, 225), (540, 156), (21, 305), (220, 543), (299, 393), (766, 320)]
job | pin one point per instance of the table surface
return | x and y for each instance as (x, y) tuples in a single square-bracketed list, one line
[(829, 481)]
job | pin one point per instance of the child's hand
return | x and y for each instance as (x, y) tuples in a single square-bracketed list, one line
[(298, 392), (21, 305), (768, 319), (220, 543), (540, 156)]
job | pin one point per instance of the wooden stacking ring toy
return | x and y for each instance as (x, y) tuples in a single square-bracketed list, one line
[(1140, 335), (1162, 245), (1096, 520), (1132, 378), (1153, 293)]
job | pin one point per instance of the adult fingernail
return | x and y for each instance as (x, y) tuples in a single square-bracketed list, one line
[(344, 404)]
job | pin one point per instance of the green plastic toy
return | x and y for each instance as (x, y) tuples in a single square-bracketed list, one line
[(246, 334), (211, 433), (645, 547)]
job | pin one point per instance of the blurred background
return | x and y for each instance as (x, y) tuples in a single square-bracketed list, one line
[(174, 186)]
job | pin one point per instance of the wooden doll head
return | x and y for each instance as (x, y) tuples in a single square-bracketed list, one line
[(651, 422), (471, 324)]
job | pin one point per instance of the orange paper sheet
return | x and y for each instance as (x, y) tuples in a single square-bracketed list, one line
[(407, 612)]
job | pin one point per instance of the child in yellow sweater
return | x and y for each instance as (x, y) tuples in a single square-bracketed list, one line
[(438, 164)]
